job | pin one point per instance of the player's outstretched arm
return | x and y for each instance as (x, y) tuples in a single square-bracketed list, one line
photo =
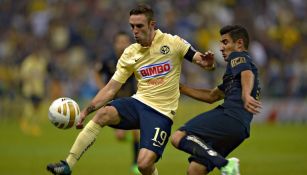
[(205, 60), (205, 95), (105, 94), (250, 104)]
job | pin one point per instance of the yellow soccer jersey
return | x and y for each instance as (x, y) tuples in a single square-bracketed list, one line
[(157, 69)]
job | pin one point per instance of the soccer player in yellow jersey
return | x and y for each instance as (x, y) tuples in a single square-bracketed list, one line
[(155, 60), (33, 73), (104, 71)]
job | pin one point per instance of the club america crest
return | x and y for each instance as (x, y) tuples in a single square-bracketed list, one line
[(164, 50)]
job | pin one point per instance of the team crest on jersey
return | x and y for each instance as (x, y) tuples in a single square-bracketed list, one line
[(155, 70), (164, 50), (237, 61)]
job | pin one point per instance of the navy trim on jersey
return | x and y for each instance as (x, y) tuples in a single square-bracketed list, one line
[(190, 54)]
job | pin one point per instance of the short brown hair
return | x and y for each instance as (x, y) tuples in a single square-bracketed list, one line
[(143, 9)]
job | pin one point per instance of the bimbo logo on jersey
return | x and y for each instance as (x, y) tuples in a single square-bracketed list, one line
[(155, 70)]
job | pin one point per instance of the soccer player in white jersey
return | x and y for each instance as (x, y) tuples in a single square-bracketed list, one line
[(155, 60)]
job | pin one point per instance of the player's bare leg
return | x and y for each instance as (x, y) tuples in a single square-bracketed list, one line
[(176, 137), (196, 169), (146, 162)]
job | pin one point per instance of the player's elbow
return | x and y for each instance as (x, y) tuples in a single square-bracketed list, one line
[(214, 98)]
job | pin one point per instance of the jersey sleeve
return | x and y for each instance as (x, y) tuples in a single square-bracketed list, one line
[(123, 70), (238, 63), (182, 46)]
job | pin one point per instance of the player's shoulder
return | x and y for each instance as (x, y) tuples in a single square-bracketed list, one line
[(236, 58), (132, 49), (175, 40), (239, 55), (168, 36)]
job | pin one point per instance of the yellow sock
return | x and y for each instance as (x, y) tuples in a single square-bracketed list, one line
[(85, 139), (155, 171)]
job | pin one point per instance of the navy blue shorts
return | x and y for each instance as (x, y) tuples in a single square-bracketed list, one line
[(218, 130), (155, 128)]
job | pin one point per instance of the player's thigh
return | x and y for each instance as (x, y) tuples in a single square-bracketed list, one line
[(202, 123), (107, 115), (219, 130), (155, 130), (128, 112)]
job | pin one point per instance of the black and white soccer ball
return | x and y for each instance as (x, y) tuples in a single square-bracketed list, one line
[(64, 113)]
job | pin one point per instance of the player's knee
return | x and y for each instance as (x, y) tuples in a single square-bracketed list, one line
[(145, 166), (146, 161), (106, 116), (176, 138)]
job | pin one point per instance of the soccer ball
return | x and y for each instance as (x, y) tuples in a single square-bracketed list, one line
[(64, 113)]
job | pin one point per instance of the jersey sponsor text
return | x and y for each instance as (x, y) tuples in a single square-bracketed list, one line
[(155, 70)]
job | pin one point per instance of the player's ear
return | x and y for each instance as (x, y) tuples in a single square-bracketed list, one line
[(240, 44), (152, 24)]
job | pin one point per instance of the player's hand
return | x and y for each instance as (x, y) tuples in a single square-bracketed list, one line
[(79, 125), (252, 105), (207, 60)]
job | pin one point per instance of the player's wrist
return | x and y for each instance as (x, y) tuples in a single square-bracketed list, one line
[(89, 109)]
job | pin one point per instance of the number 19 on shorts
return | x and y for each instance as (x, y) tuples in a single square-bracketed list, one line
[(159, 138)]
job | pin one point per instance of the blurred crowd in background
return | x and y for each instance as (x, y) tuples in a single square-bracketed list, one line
[(49, 48)]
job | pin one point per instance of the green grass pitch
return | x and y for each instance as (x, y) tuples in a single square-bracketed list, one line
[(271, 149)]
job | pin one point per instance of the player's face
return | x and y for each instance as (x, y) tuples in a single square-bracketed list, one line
[(142, 29), (121, 42), (227, 46)]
